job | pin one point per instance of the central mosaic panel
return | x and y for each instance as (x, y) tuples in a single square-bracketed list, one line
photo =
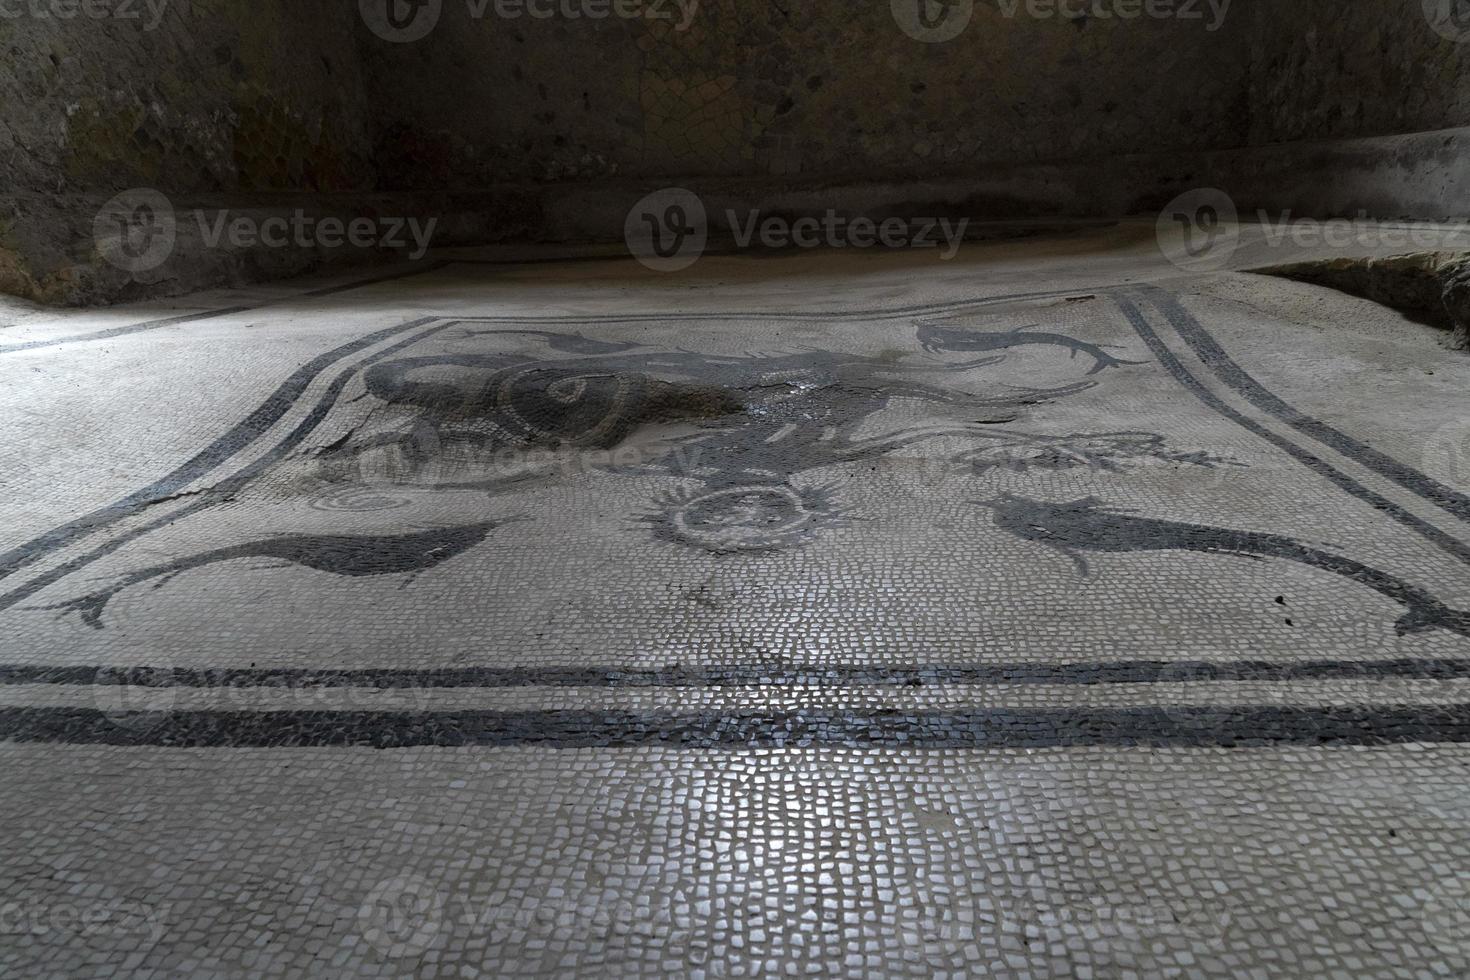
[(1047, 488)]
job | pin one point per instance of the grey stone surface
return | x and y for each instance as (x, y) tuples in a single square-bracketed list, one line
[(1457, 301), (1431, 286), (1325, 70), (1046, 612), (751, 89), (754, 90), (544, 129), (190, 98)]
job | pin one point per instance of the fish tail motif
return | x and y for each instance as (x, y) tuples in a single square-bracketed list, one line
[(1425, 616), (90, 607), (1103, 360)]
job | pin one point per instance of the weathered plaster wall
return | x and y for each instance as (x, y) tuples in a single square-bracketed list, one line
[(826, 88), (214, 95), (799, 98), (547, 128), (830, 89), (217, 95), (1329, 69), (205, 97)]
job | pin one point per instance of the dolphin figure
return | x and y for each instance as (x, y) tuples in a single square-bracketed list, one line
[(339, 554), (1087, 525)]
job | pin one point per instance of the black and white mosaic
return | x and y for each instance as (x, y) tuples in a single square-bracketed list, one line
[(752, 454), (1045, 633)]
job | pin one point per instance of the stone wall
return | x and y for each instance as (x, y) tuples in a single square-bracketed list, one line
[(206, 95), (546, 128), (823, 88), (833, 89), (200, 98), (1329, 69)]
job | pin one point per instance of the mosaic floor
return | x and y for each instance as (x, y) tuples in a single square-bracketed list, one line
[(1034, 614)]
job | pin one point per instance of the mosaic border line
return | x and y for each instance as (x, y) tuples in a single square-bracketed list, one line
[(1238, 727), (742, 675)]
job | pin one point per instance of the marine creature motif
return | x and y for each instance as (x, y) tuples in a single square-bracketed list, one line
[(570, 343), (792, 403), (1088, 525), (339, 554), (751, 425), (935, 338), (1110, 452), (743, 431)]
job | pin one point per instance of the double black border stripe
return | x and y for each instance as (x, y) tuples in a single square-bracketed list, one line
[(1005, 728), (746, 675), (242, 435), (1445, 542), (1224, 367)]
